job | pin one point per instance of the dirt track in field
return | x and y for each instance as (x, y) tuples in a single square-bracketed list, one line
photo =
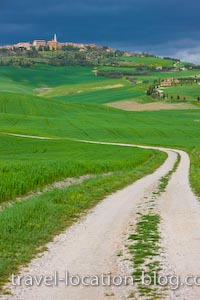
[(90, 247)]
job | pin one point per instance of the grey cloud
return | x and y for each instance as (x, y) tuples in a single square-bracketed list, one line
[(152, 25)]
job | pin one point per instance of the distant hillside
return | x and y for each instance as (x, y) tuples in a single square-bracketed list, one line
[(89, 55)]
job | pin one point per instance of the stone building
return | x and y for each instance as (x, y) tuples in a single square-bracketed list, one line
[(25, 45), (39, 43), (54, 45)]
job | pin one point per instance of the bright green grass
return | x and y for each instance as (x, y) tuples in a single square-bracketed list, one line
[(16, 79), (27, 105), (178, 129), (26, 226), (190, 91), (148, 61), (8, 85), (195, 169), (165, 179), (78, 84), (170, 128), (116, 68), (28, 164), (144, 248), (82, 89), (163, 75), (49, 75), (129, 91), (152, 75)]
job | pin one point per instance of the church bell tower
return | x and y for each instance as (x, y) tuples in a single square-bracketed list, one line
[(55, 38)]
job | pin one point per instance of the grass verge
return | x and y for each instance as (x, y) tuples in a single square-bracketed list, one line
[(145, 249), (164, 180), (195, 170)]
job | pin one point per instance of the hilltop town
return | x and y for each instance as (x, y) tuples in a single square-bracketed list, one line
[(53, 44), (54, 52)]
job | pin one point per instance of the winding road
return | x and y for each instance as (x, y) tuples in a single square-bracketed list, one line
[(90, 247)]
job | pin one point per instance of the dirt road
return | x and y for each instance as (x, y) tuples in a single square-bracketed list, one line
[(91, 246), (180, 211)]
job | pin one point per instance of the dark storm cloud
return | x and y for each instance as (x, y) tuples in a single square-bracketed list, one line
[(161, 26)]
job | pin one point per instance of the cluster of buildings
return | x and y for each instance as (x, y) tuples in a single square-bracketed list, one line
[(129, 54), (169, 82), (53, 45), (42, 44)]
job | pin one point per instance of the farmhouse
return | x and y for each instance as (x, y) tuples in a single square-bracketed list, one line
[(169, 82), (128, 54)]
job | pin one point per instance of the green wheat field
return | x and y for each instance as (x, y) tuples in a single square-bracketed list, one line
[(65, 103)]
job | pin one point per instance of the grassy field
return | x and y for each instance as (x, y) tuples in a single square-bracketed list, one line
[(127, 91), (83, 89), (46, 117), (188, 91), (168, 128), (28, 225), (27, 165), (148, 61), (63, 113), (26, 80), (80, 84)]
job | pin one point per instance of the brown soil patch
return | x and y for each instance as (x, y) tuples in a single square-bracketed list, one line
[(135, 106)]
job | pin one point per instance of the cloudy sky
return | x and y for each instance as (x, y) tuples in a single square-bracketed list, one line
[(164, 28)]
